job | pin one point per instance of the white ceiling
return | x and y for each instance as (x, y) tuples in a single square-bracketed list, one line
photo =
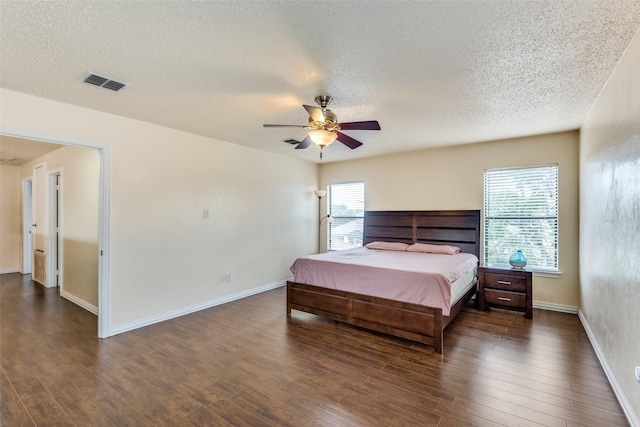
[(433, 73), (16, 151)]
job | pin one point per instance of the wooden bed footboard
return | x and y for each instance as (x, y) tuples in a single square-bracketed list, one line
[(411, 321)]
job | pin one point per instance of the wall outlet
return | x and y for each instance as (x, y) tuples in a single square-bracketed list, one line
[(228, 277), (638, 373), (205, 213)]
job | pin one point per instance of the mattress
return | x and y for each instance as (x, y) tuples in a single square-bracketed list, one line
[(462, 284), (434, 280)]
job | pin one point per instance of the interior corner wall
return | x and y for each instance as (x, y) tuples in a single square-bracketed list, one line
[(10, 219), (165, 257), (453, 178), (80, 172), (610, 224)]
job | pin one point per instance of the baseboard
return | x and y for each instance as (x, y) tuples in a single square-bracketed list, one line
[(7, 271), (82, 303), (555, 307), (632, 417), (192, 309)]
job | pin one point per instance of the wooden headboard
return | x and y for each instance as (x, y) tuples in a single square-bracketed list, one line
[(458, 228)]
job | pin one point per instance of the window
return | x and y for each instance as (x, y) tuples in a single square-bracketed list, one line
[(521, 212), (346, 207)]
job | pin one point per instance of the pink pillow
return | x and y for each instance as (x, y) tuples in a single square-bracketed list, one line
[(388, 246), (433, 249)]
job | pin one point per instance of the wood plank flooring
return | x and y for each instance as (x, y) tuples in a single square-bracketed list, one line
[(245, 364)]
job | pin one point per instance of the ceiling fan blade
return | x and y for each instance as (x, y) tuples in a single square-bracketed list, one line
[(304, 143), (315, 112), (367, 125), (348, 141), (285, 126)]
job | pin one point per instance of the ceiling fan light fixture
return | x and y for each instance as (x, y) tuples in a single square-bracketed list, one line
[(322, 138)]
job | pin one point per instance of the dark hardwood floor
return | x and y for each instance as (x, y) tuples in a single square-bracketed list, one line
[(245, 364)]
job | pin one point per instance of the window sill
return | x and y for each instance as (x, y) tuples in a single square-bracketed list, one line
[(546, 273)]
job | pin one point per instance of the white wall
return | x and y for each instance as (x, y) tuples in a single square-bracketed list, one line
[(165, 257), (79, 169), (452, 178), (10, 219), (610, 225)]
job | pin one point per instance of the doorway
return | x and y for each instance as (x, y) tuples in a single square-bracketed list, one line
[(104, 294), (39, 225)]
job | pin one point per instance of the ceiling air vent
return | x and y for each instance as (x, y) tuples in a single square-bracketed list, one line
[(291, 141), (104, 82)]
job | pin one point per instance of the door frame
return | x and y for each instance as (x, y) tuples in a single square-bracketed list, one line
[(27, 220), (104, 255), (54, 247)]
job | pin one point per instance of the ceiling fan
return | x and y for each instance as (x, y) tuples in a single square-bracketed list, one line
[(324, 127)]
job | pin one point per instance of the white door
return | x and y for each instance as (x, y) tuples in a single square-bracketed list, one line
[(27, 212), (54, 254)]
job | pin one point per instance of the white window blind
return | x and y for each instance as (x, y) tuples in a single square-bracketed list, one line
[(346, 207), (521, 212)]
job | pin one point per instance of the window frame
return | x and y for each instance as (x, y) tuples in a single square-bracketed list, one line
[(337, 218), (551, 271)]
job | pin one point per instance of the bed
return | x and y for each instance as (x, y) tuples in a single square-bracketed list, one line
[(421, 322)]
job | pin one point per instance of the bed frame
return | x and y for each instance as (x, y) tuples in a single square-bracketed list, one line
[(412, 321)]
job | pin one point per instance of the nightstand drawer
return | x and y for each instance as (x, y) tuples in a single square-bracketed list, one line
[(505, 281), (505, 298)]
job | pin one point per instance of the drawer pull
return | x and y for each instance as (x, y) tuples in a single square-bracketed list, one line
[(504, 299), (503, 282)]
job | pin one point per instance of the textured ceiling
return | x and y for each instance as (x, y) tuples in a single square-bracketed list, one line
[(16, 151), (432, 73)]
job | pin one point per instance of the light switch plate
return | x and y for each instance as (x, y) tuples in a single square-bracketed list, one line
[(638, 373)]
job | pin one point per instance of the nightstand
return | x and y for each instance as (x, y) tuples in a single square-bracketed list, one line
[(503, 286)]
